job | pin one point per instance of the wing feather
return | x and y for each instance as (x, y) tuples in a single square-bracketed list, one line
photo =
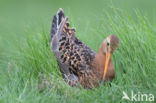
[(74, 52)]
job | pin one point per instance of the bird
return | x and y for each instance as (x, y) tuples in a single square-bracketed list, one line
[(78, 63)]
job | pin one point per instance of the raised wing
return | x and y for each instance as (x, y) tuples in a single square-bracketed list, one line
[(74, 53), (73, 56)]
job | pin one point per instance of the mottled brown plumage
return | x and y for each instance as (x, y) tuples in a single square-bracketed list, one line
[(78, 63)]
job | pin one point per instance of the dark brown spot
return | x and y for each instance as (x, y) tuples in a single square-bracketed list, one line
[(62, 43), (67, 24), (62, 39), (62, 56), (67, 44), (64, 59), (71, 53), (67, 30), (74, 61), (77, 41), (72, 57), (67, 47), (60, 48)]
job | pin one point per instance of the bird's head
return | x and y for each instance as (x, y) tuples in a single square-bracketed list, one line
[(109, 45)]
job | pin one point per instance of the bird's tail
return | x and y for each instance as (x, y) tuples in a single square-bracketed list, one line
[(57, 19)]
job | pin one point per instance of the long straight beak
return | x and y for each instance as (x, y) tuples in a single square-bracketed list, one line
[(108, 56)]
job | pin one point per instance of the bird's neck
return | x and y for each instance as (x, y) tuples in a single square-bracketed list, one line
[(99, 63)]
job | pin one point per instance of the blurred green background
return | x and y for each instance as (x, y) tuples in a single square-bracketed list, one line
[(18, 15)]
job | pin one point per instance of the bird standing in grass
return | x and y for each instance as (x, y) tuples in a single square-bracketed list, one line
[(78, 63)]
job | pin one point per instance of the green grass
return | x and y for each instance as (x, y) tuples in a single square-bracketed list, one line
[(27, 64)]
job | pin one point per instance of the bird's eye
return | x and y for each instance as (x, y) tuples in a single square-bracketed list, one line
[(107, 43)]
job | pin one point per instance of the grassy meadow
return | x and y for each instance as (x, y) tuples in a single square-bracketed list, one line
[(29, 72)]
